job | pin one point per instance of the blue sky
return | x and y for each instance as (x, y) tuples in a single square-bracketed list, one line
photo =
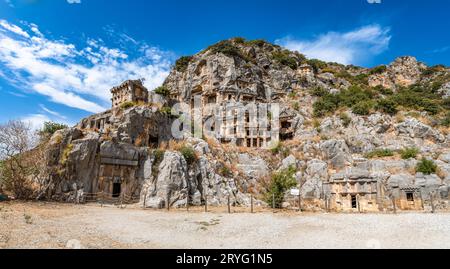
[(59, 58)]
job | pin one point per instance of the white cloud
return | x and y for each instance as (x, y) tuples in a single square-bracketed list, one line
[(53, 113), (74, 1), (36, 121), (440, 50), (78, 78), (13, 29), (353, 47)]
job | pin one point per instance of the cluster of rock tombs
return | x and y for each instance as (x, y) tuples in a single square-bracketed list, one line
[(130, 150)]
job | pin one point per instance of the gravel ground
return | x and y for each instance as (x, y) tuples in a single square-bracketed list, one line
[(44, 225)]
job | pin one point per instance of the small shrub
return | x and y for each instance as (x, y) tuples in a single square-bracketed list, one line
[(279, 148), (280, 183), (327, 104), (362, 108), (127, 105), (225, 171), (182, 64), (284, 58), (51, 127), (433, 69), (346, 120), (378, 70), (383, 90), (159, 155), (316, 123), (446, 120), (387, 106), (319, 92), (28, 219), (317, 64), (257, 42), (430, 106), (409, 153), (380, 153), (168, 112), (296, 106), (436, 85), (189, 154), (426, 167), (162, 90), (227, 48), (239, 40), (345, 75), (362, 79), (354, 95)]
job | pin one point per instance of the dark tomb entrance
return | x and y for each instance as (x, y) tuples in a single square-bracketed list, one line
[(117, 187), (354, 202)]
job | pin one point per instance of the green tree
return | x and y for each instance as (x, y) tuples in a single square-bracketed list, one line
[(51, 127), (280, 183), (162, 90)]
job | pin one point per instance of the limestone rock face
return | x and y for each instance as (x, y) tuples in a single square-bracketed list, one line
[(178, 183), (406, 71), (337, 152), (416, 129), (254, 72), (445, 90), (253, 166), (172, 183), (288, 162), (403, 72), (134, 146), (316, 174)]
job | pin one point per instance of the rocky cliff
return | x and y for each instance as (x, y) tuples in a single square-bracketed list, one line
[(352, 125)]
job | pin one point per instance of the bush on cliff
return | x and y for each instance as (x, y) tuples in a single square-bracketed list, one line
[(162, 90), (51, 127), (409, 153), (426, 167), (182, 64), (284, 58), (189, 154)]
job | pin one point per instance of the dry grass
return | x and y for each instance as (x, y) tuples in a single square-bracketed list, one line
[(441, 173), (172, 145), (399, 118)]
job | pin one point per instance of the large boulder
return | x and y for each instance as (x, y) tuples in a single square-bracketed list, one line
[(253, 166), (82, 164), (337, 152), (288, 162), (315, 175), (416, 129), (171, 184)]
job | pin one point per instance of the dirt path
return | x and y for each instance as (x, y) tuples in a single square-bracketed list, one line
[(43, 225)]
